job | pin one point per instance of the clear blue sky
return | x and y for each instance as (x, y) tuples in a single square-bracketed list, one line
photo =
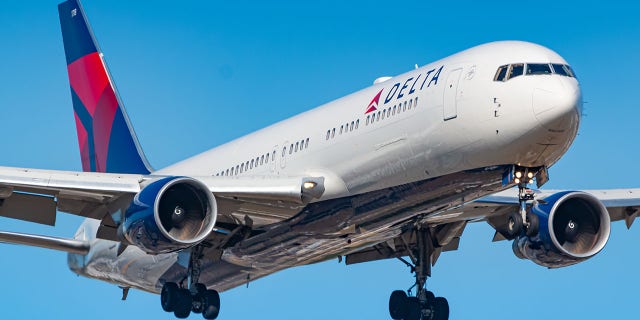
[(195, 74)]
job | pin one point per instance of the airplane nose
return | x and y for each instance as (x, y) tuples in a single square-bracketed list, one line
[(557, 103)]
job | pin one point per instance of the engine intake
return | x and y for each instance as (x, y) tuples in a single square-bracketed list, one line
[(573, 226), (170, 214)]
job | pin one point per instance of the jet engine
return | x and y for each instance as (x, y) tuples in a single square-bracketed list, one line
[(169, 214), (572, 227)]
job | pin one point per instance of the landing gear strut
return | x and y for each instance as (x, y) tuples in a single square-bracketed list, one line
[(424, 305), (522, 220), (195, 297)]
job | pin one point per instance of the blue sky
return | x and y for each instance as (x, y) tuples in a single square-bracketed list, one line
[(195, 74)]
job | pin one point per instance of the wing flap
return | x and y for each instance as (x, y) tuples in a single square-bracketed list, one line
[(29, 207)]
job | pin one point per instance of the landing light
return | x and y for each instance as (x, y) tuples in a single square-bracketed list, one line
[(530, 175), (516, 180), (309, 185), (518, 174), (530, 180)]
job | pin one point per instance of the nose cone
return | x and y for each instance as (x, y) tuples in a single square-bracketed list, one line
[(557, 103)]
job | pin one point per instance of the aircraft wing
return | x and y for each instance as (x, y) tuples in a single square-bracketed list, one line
[(35, 196), (447, 226), (622, 204)]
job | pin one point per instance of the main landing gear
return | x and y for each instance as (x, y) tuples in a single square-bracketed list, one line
[(424, 305), (196, 298)]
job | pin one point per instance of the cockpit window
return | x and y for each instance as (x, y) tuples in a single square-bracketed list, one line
[(538, 68), (560, 69), (517, 69), (501, 73), (507, 72), (571, 73)]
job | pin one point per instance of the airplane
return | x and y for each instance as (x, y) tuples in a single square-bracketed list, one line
[(372, 181)]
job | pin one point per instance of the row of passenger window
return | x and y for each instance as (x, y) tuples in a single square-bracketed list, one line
[(513, 70), (298, 146), (373, 117), (347, 127), (263, 159), (392, 111), (249, 164)]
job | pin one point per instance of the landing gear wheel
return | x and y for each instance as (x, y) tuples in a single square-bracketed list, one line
[(211, 304), (169, 296), (198, 298), (184, 304), (413, 309), (514, 225), (534, 224), (398, 305), (430, 298), (440, 309)]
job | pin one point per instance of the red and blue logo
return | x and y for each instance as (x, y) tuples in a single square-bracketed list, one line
[(373, 105)]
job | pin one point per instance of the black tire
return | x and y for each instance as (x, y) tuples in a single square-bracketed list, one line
[(514, 225), (440, 309), (413, 309), (398, 305), (168, 296), (430, 298), (184, 304), (211, 300), (534, 224), (198, 298)]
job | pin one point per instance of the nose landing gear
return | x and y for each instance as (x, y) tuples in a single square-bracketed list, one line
[(424, 305)]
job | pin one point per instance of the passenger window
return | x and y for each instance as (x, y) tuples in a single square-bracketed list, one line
[(273, 156), (394, 110), (517, 69), (415, 104), (538, 68), (341, 129), (357, 123), (333, 132), (306, 143), (297, 144), (501, 73), (378, 118), (291, 149), (242, 168), (328, 132), (262, 160), (251, 163), (404, 107), (284, 151), (351, 127)]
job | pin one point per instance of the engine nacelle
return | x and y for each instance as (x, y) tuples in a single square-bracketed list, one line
[(573, 227), (170, 214)]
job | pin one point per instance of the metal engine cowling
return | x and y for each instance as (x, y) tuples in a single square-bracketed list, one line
[(573, 227), (170, 214)]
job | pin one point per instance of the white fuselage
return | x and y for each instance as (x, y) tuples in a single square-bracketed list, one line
[(489, 123), (446, 117)]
